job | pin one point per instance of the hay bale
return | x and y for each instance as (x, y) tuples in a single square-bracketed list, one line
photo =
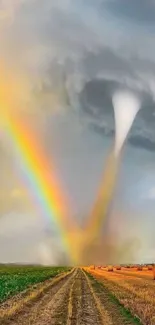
[(150, 267), (139, 268), (118, 268)]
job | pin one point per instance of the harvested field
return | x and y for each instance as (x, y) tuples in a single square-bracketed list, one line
[(135, 294), (145, 274)]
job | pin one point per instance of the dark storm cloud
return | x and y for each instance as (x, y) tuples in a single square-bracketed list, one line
[(96, 101), (69, 45), (90, 59), (74, 46), (106, 60), (139, 11), (142, 142), (110, 60), (97, 94), (102, 130), (95, 97)]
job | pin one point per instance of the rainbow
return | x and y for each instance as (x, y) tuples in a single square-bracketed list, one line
[(40, 179), (37, 173), (100, 208)]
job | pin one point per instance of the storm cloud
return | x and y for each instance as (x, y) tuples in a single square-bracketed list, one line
[(139, 11), (66, 58)]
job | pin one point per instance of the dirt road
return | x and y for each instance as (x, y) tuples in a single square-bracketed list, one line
[(74, 300)]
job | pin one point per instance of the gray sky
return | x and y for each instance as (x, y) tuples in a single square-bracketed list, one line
[(71, 55)]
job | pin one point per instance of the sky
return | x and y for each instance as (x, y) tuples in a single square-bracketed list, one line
[(67, 57)]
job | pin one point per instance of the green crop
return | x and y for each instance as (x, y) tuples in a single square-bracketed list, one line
[(16, 279)]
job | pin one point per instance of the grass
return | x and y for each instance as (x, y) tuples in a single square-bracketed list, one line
[(99, 286), (16, 279)]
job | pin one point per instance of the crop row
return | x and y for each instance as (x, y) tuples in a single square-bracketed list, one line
[(15, 282)]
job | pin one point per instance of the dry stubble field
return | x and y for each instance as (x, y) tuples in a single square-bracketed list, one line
[(78, 296)]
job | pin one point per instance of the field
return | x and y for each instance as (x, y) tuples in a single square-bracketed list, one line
[(59, 295), (15, 279)]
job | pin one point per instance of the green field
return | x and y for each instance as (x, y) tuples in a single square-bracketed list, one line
[(14, 279)]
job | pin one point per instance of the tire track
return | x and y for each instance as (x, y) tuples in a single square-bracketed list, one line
[(104, 315), (83, 306)]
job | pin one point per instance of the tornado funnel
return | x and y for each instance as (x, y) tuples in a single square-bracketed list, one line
[(126, 106)]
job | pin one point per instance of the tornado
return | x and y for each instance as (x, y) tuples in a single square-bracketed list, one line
[(126, 106)]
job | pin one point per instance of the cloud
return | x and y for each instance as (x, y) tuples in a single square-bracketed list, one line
[(48, 39), (96, 102), (28, 51), (141, 142), (151, 194), (23, 239), (68, 56), (138, 11), (69, 53)]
